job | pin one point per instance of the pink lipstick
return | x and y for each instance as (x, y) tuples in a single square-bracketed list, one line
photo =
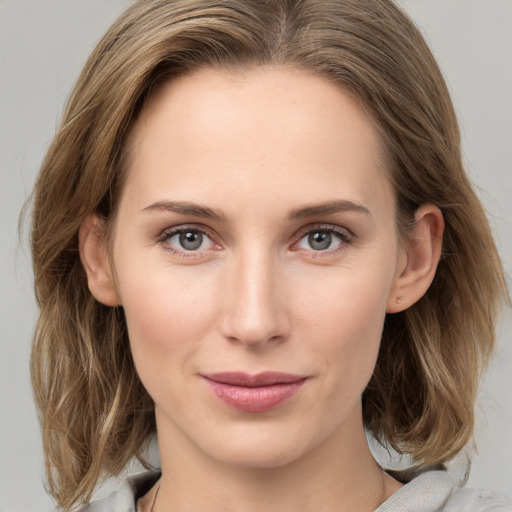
[(254, 393)]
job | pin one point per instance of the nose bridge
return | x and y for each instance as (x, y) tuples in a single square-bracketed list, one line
[(254, 312)]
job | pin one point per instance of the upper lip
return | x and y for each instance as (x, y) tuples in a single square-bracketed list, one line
[(252, 381)]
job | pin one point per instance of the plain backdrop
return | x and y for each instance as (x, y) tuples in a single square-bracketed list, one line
[(43, 45)]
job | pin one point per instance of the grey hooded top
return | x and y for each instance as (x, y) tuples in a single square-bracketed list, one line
[(433, 491)]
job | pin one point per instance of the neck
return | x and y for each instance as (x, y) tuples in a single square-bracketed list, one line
[(339, 474)]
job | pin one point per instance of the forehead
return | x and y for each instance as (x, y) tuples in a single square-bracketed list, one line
[(242, 130)]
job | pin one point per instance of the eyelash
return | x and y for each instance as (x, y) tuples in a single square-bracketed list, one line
[(167, 234), (344, 236)]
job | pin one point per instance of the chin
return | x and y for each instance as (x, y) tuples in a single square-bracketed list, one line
[(256, 456), (260, 447)]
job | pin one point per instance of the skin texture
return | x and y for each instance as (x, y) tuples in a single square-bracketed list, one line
[(258, 149)]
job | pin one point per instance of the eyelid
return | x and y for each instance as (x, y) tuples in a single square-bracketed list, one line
[(168, 232), (346, 236)]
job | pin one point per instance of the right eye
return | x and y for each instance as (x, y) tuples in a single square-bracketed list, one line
[(187, 241)]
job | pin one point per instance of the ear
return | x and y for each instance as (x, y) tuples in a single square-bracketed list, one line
[(421, 252), (94, 258)]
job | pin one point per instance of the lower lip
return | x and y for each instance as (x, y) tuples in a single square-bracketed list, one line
[(255, 399)]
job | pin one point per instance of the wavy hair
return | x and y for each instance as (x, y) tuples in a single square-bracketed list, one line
[(94, 411)]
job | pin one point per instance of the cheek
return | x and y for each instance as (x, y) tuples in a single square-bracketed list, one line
[(353, 331), (346, 321), (166, 315)]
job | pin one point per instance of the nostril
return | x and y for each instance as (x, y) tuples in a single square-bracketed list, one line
[(254, 330)]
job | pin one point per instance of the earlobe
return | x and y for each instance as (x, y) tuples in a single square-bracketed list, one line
[(422, 254), (94, 258)]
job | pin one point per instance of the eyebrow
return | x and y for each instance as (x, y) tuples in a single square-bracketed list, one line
[(186, 208), (328, 208), (314, 210)]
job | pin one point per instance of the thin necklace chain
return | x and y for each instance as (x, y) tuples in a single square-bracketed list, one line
[(156, 496)]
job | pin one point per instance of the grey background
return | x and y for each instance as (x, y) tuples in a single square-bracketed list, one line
[(43, 45)]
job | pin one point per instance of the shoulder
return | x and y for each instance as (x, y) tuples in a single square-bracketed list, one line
[(435, 491), (473, 500), (124, 498)]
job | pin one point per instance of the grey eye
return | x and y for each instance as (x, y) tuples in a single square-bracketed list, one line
[(190, 240), (320, 240)]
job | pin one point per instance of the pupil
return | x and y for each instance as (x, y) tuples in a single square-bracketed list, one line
[(191, 240), (320, 241)]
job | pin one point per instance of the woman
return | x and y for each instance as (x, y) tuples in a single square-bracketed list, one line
[(253, 235)]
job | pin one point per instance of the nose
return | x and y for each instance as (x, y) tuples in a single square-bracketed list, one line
[(254, 312)]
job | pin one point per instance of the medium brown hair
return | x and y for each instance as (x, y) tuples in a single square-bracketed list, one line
[(94, 411)]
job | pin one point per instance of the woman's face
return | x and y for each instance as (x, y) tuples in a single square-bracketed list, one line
[(256, 233)]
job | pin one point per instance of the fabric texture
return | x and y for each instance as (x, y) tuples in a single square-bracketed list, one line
[(433, 491), (124, 498)]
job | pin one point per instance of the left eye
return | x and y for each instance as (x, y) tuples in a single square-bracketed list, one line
[(189, 240), (322, 240)]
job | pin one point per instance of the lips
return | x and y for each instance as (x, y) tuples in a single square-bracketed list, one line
[(254, 393)]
